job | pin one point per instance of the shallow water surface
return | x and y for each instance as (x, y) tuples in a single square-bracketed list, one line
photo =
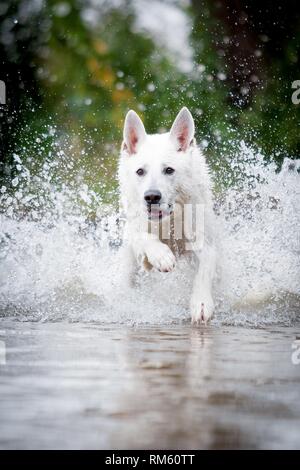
[(87, 386)]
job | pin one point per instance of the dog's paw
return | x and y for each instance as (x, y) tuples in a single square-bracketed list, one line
[(202, 308), (160, 257)]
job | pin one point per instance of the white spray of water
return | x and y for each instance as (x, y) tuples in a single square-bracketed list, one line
[(259, 230), (59, 263)]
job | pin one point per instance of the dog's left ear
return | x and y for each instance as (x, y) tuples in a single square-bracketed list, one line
[(183, 130)]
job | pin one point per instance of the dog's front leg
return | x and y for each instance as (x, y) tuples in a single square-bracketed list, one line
[(151, 252), (202, 305)]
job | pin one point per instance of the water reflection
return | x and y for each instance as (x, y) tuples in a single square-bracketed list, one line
[(88, 386)]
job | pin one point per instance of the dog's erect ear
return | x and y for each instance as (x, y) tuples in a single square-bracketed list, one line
[(134, 132), (183, 130)]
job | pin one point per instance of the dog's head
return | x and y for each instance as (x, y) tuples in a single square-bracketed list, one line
[(155, 169)]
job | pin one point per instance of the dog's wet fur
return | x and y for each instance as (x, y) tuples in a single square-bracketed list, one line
[(160, 175)]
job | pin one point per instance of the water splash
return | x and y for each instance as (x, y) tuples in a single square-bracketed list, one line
[(60, 252), (259, 229)]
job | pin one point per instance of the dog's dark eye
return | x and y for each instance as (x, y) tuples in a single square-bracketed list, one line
[(140, 172), (169, 170)]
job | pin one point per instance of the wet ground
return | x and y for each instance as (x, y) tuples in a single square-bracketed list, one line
[(87, 386)]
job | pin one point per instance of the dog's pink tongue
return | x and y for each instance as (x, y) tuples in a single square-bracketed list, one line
[(155, 212)]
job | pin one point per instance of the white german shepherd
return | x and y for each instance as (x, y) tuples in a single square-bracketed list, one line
[(166, 194)]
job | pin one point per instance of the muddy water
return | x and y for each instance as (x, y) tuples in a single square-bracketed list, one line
[(87, 386)]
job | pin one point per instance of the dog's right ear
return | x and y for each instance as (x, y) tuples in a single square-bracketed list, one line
[(134, 132)]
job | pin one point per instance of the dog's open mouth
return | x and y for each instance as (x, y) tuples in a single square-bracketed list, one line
[(156, 212)]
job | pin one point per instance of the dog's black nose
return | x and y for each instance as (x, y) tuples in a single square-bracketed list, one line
[(152, 196)]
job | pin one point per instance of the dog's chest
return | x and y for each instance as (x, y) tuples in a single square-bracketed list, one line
[(178, 246), (171, 234)]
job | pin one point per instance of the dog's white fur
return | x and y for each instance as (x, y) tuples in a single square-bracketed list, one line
[(189, 184)]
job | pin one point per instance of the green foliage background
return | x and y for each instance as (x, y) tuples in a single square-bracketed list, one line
[(76, 83)]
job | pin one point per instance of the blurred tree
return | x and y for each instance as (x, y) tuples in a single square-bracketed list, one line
[(260, 44), (73, 68), (21, 30)]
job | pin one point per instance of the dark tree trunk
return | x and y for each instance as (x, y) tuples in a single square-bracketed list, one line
[(253, 32)]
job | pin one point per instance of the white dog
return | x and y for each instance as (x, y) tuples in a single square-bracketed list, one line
[(166, 194)]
